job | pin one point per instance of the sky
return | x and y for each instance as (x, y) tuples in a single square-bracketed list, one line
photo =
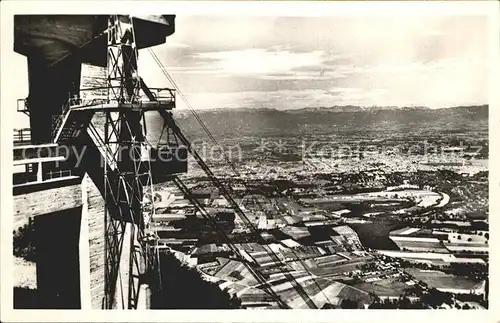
[(295, 62)]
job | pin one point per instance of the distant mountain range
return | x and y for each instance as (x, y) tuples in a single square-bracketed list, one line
[(354, 108), (476, 109), (234, 123)]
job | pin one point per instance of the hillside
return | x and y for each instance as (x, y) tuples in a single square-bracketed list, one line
[(325, 121)]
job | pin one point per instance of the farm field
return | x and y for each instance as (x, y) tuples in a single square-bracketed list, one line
[(439, 279), (384, 287), (354, 293), (431, 246)]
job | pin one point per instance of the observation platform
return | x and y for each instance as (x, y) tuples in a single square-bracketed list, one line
[(48, 165), (157, 98), (39, 167)]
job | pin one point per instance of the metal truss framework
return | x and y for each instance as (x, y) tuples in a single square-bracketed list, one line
[(127, 183), (119, 164), (127, 174)]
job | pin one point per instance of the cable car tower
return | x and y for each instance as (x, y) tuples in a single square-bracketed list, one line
[(117, 158), (131, 179), (109, 131)]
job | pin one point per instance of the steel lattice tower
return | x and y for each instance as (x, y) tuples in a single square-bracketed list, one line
[(131, 178)]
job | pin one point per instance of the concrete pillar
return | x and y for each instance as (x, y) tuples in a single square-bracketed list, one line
[(39, 175), (57, 236), (84, 251), (144, 298)]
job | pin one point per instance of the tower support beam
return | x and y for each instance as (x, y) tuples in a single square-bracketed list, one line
[(124, 136)]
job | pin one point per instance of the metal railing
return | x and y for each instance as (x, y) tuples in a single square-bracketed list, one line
[(58, 174), (22, 135), (161, 96), (90, 101), (57, 123), (30, 177), (157, 96)]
